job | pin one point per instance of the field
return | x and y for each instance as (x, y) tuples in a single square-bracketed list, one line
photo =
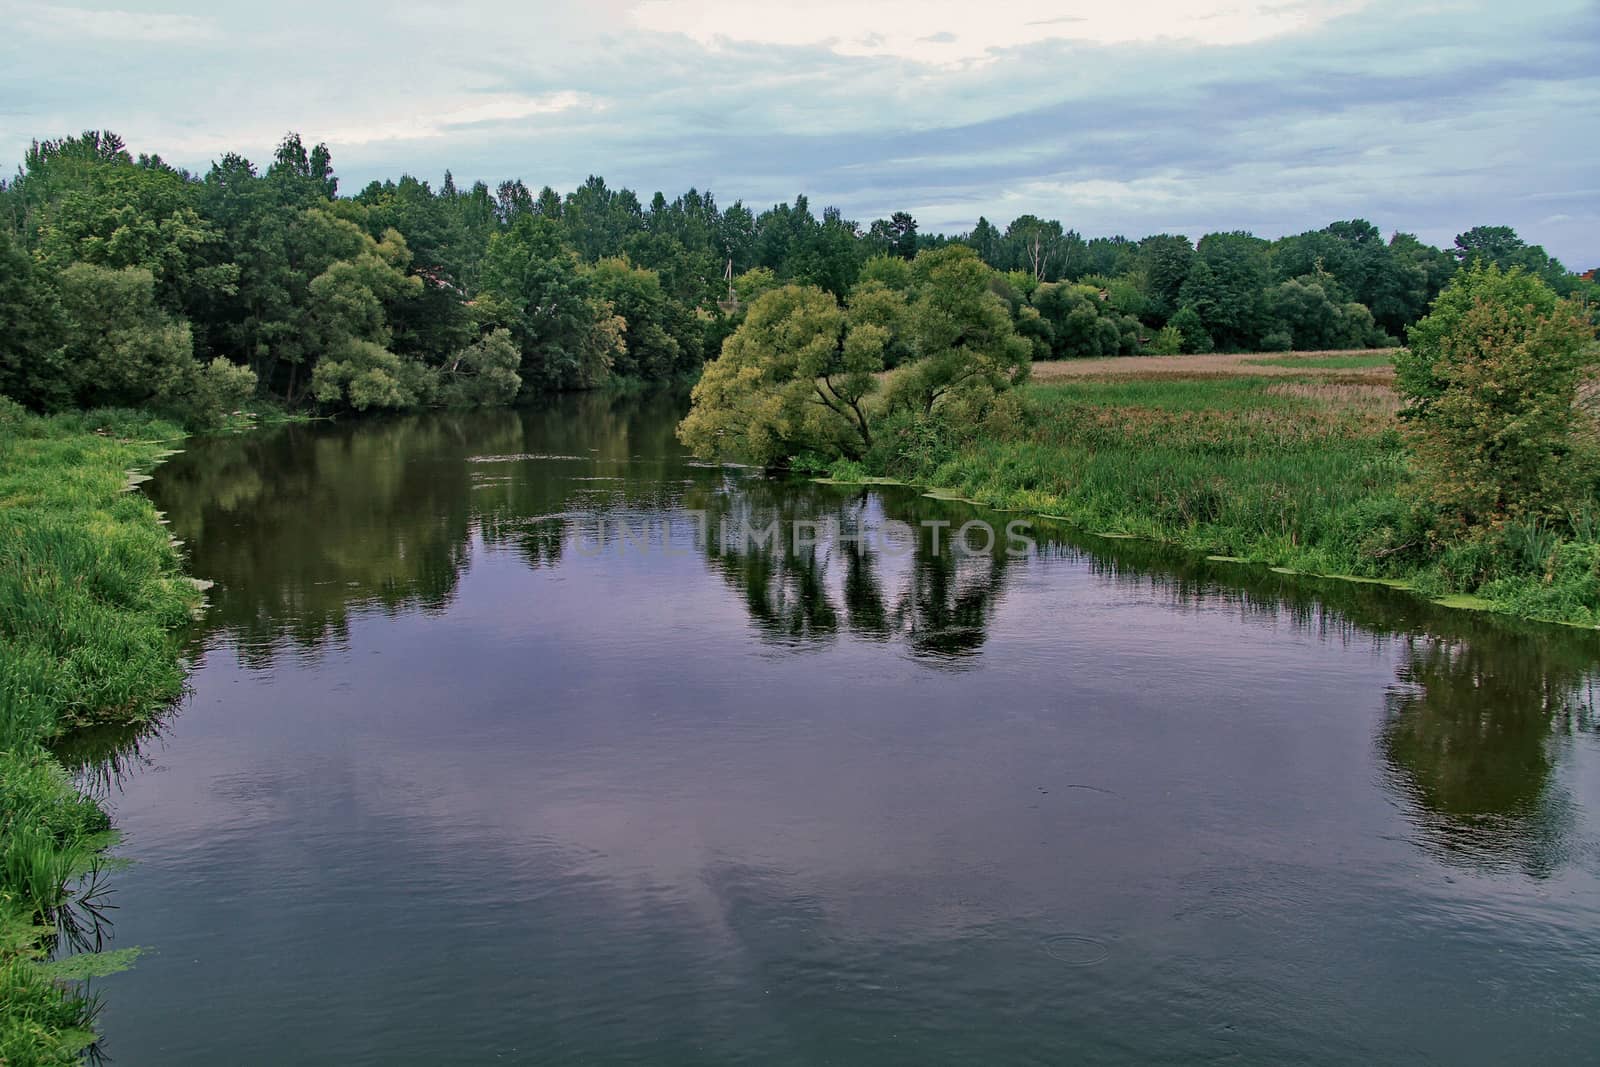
[(1377, 366), (1295, 461)]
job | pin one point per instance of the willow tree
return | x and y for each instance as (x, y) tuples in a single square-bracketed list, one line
[(962, 334), (797, 375), (802, 373)]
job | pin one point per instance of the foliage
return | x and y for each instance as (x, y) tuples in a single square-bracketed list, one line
[(90, 602), (660, 340), (533, 287), (484, 374), (1313, 320), (803, 375), (271, 269), (1168, 341), (961, 332), (790, 378), (1491, 386)]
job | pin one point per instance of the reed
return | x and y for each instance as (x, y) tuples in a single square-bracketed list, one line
[(1310, 474)]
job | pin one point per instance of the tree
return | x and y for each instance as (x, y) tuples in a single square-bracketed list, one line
[(1192, 331), (660, 339), (827, 255), (32, 364), (1034, 245), (790, 378), (895, 235), (443, 254), (961, 331), (1081, 322), (1224, 288), (1501, 246), (121, 349), (484, 374), (1165, 261), (90, 202), (987, 241), (532, 286), (354, 363), (598, 221), (1490, 379), (1304, 312)]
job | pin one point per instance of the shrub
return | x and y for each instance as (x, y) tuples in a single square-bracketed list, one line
[(1168, 341), (1188, 324)]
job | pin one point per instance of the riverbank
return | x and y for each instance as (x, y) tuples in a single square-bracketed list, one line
[(1305, 472), (91, 600)]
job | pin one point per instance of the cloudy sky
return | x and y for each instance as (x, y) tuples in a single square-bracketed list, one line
[(1116, 116)]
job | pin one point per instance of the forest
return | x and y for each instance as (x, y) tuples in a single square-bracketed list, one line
[(129, 282)]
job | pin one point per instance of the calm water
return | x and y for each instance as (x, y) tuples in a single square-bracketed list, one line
[(461, 781)]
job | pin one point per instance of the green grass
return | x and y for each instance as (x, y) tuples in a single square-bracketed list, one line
[(1301, 474), (90, 598), (1351, 361)]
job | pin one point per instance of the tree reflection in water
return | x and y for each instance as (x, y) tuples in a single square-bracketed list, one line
[(305, 526), (877, 575)]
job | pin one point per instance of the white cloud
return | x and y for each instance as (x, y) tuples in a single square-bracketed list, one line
[(436, 119), (439, 117), (952, 33), (77, 23)]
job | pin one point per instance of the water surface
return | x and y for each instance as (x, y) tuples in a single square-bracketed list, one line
[(462, 780)]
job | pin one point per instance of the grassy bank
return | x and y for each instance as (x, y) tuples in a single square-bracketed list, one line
[(90, 600), (1302, 472)]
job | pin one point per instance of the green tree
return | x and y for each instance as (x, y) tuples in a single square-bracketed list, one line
[(1082, 322), (987, 241), (1165, 261), (1490, 379), (121, 349), (349, 326), (660, 339), (32, 364), (792, 377), (532, 286), (597, 220), (961, 331), (895, 236), (1192, 329), (443, 254), (1224, 287), (484, 374), (1035, 245), (1304, 312)]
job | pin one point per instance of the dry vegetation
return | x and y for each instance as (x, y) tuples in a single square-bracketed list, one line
[(1253, 364)]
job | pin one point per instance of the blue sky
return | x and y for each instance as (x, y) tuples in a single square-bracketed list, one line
[(1116, 116)]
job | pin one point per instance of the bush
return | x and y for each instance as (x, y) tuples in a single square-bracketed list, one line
[(1168, 341), (217, 389), (485, 373), (1188, 323)]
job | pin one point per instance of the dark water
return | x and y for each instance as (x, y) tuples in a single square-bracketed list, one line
[(461, 782)]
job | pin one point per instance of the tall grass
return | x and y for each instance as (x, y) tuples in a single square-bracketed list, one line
[(1231, 466), (1310, 475), (90, 597), (1338, 361)]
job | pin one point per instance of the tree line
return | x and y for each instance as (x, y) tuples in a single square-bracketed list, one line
[(126, 281)]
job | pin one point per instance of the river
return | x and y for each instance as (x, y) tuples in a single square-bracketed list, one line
[(502, 748)]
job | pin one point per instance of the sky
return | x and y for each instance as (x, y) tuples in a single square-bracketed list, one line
[(1115, 116)]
